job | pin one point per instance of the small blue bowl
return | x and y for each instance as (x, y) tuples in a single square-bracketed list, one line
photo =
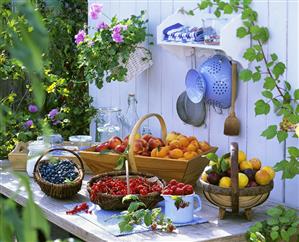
[(195, 86)]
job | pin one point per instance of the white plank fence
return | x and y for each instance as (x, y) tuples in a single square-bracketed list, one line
[(158, 89)]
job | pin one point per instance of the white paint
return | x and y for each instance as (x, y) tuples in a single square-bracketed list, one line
[(158, 88)]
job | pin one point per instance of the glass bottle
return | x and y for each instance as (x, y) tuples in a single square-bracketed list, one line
[(108, 123), (131, 116)]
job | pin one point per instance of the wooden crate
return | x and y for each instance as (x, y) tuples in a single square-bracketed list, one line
[(187, 171), (18, 157)]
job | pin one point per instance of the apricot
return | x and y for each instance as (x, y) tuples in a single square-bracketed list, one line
[(163, 151), (256, 163), (241, 156), (244, 165), (262, 177), (189, 155), (139, 146), (171, 136), (191, 147), (195, 143), (154, 152), (176, 153), (174, 144), (204, 146), (270, 171), (199, 151), (183, 141), (154, 143)]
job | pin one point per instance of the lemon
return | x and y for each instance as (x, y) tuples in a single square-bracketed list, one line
[(204, 177), (270, 171), (243, 180), (244, 165), (225, 182), (297, 130), (241, 156)]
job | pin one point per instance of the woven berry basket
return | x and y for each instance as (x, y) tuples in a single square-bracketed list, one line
[(235, 198), (60, 191), (114, 202)]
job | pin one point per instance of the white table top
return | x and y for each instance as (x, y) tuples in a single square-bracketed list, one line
[(231, 229)]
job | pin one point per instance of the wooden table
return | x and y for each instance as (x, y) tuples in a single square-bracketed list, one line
[(231, 229)]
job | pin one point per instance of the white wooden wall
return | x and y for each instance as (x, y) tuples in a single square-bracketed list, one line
[(158, 89)]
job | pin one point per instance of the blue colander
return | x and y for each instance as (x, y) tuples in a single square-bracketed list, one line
[(217, 73)]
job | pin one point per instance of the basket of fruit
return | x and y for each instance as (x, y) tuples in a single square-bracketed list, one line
[(59, 178), (174, 156), (108, 189), (231, 182)]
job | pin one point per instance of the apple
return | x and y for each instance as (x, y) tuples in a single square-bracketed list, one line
[(120, 148), (113, 142), (154, 143), (147, 137), (101, 147), (204, 146)]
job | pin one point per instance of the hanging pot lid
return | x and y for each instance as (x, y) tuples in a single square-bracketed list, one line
[(180, 107), (195, 112), (195, 86)]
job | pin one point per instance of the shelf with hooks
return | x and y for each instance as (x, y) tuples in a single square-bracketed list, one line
[(229, 43)]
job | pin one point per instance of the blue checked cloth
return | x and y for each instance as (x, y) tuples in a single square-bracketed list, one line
[(100, 218)]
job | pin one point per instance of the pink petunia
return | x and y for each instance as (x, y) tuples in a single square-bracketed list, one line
[(117, 37), (80, 36), (95, 10), (102, 25)]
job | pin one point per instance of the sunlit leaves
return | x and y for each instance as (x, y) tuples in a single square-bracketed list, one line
[(242, 32), (245, 75), (269, 83), (261, 107), (270, 132), (278, 69)]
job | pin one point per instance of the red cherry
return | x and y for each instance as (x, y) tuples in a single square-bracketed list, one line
[(167, 192), (172, 182), (181, 185), (179, 191), (188, 189)]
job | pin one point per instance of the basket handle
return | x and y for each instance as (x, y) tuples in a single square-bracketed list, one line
[(62, 149), (134, 132), (234, 176)]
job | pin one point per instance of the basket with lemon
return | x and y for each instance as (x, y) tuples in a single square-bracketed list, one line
[(233, 182)]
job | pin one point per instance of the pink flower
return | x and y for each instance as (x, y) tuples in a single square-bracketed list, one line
[(28, 123), (95, 10), (117, 37), (119, 27), (80, 36), (102, 25)]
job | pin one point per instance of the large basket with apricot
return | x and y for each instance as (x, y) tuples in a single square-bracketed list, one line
[(108, 189), (174, 156), (236, 190)]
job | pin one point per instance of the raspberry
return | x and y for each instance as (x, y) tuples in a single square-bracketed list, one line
[(170, 228)]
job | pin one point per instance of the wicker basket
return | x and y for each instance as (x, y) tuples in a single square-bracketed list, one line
[(235, 198), (187, 171), (60, 191), (114, 202), (139, 61)]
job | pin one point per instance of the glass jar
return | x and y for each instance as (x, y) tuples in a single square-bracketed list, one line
[(108, 123), (83, 141), (35, 150)]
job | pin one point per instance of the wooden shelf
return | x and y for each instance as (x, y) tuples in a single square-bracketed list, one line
[(230, 44)]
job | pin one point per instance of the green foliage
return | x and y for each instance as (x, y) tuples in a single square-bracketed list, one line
[(137, 214), (277, 95), (61, 79), (103, 59), (26, 225), (220, 164), (281, 225)]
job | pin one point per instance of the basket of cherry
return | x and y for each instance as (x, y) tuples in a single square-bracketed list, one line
[(108, 189), (59, 178)]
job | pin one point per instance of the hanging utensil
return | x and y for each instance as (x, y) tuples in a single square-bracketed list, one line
[(180, 107), (232, 123)]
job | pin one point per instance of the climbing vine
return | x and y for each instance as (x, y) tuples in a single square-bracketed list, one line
[(277, 93)]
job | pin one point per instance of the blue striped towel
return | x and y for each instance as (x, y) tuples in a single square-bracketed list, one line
[(180, 33), (100, 218)]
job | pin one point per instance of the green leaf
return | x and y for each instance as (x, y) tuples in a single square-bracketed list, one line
[(256, 76), (120, 163), (135, 206), (274, 235), (129, 198), (224, 165), (250, 54), (279, 69), (272, 221), (148, 218), (287, 85), (269, 83), (284, 235), (282, 136), (279, 166), (270, 132), (242, 32), (274, 57), (296, 94), (245, 75), (212, 157), (274, 212), (294, 151), (267, 94), (217, 13), (125, 227), (291, 231), (228, 9), (261, 107)]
